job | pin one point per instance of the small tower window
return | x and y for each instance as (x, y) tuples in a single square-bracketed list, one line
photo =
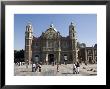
[(27, 34), (73, 34), (73, 28)]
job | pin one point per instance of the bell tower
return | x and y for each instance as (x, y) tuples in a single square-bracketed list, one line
[(72, 35), (28, 43)]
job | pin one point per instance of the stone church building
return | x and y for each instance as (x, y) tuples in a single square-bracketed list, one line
[(51, 46)]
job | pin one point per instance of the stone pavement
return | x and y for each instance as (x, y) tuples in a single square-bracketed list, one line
[(49, 70)]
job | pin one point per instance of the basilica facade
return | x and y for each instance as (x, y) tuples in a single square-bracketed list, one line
[(51, 46)]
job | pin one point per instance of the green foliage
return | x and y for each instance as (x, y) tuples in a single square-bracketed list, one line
[(18, 55)]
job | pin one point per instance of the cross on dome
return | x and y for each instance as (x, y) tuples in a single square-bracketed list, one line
[(29, 24), (51, 25)]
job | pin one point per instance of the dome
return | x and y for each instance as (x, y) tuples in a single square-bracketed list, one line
[(29, 25), (71, 23), (51, 25)]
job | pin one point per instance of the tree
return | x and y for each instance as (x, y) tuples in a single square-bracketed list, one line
[(19, 55)]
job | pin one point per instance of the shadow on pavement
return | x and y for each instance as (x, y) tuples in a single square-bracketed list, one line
[(25, 71), (67, 73), (93, 74)]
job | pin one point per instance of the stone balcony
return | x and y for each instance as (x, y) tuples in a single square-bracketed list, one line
[(50, 49)]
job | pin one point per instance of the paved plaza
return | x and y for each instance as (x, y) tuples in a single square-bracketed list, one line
[(49, 70)]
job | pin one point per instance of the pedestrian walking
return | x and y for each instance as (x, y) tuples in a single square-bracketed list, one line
[(37, 65), (74, 68), (77, 67), (33, 67), (39, 68), (65, 60), (57, 67)]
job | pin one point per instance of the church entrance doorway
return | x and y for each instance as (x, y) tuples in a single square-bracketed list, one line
[(51, 58)]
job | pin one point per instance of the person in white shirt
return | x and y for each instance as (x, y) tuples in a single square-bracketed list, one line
[(74, 68), (33, 67)]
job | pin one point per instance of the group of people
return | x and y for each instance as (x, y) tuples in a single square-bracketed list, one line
[(36, 66), (76, 68), (19, 63)]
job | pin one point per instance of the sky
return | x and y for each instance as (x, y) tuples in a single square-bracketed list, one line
[(86, 26)]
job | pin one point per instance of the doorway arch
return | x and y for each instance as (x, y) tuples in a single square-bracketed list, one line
[(50, 58)]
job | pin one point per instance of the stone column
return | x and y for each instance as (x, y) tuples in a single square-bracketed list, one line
[(74, 55), (46, 58), (47, 43), (74, 51), (86, 59), (59, 57), (43, 57), (93, 54), (59, 49)]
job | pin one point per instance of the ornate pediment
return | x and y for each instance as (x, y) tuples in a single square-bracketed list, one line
[(50, 33)]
